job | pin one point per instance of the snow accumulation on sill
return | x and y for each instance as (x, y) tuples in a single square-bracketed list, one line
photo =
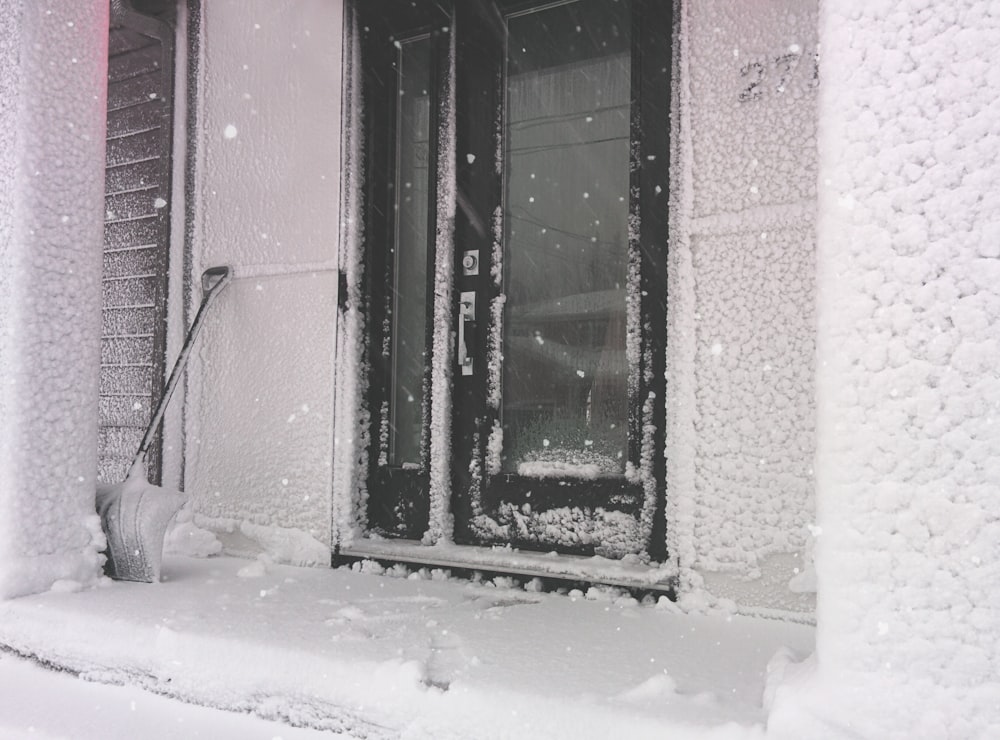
[(629, 571), (555, 469), (351, 413)]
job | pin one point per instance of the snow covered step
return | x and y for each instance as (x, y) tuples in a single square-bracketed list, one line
[(629, 572)]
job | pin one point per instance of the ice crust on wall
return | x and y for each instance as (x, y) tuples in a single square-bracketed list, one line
[(755, 383), (441, 523), (350, 469), (262, 451), (908, 384), (51, 214), (740, 409), (259, 438)]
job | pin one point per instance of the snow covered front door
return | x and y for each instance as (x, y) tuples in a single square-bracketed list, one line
[(546, 125)]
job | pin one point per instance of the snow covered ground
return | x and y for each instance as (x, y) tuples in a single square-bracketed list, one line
[(373, 655), (40, 704)]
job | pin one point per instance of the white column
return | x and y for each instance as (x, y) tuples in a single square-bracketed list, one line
[(53, 70), (259, 430), (908, 462)]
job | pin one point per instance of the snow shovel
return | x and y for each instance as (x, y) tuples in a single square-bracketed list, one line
[(135, 514)]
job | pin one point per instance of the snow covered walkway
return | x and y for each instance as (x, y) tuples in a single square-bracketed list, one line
[(378, 656)]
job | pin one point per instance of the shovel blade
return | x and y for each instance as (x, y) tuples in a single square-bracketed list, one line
[(135, 516)]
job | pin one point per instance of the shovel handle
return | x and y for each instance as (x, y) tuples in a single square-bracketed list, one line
[(213, 280)]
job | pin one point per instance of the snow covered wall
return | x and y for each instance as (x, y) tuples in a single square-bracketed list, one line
[(51, 221), (740, 437), (260, 430), (908, 479)]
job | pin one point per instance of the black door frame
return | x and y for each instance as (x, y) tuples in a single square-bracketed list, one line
[(480, 53), (398, 500), (400, 504)]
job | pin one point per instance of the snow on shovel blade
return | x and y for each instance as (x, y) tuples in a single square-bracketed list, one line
[(135, 515)]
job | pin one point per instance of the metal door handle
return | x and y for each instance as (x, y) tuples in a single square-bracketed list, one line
[(466, 315)]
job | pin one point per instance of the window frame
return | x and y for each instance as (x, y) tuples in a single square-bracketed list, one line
[(400, 507)]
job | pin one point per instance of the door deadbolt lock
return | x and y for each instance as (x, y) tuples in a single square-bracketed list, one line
[(470, 262)]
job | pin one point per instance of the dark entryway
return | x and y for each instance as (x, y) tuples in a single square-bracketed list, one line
[(557, 288)]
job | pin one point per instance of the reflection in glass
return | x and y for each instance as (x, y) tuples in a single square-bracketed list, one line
[(409, 314), (565, 395)]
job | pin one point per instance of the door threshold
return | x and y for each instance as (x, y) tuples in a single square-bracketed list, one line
[(658, 577)]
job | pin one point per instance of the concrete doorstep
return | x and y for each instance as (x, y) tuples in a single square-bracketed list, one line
[(383, 654)]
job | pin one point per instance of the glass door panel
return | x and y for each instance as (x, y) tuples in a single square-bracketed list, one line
[(409, 274), (558, 442), (400, 54), (565, 375)]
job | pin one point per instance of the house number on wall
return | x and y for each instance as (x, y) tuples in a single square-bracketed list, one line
[(775, 75)]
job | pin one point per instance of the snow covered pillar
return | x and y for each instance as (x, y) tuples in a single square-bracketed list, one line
[(53, 84), (908, 473)]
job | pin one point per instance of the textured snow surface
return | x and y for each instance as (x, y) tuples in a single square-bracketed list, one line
[(261, 449), (755, 386), (559, 467), (351, 420), (741, 293), (259, 436), (628, 570), (375, 654), (185, 537), (135, 516), (41, 704), (51, 197), (244, 538), (908, 559), (441, 524), (611, 533)]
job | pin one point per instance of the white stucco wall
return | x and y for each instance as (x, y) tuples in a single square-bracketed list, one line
[(740, 438), (260, 431), (908, 561), (53, 77)]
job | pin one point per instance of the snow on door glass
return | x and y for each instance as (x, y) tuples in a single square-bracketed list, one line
[(565, 396), (409, 315)]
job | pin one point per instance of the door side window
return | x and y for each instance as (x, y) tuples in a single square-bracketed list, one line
[(402, 47), (407, 302)]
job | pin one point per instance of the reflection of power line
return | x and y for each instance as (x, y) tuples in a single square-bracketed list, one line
[(563, 145), (590, 240), (538, 253), (526, 123)]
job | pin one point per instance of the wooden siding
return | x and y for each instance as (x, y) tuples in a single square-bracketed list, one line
[(136, 238)]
